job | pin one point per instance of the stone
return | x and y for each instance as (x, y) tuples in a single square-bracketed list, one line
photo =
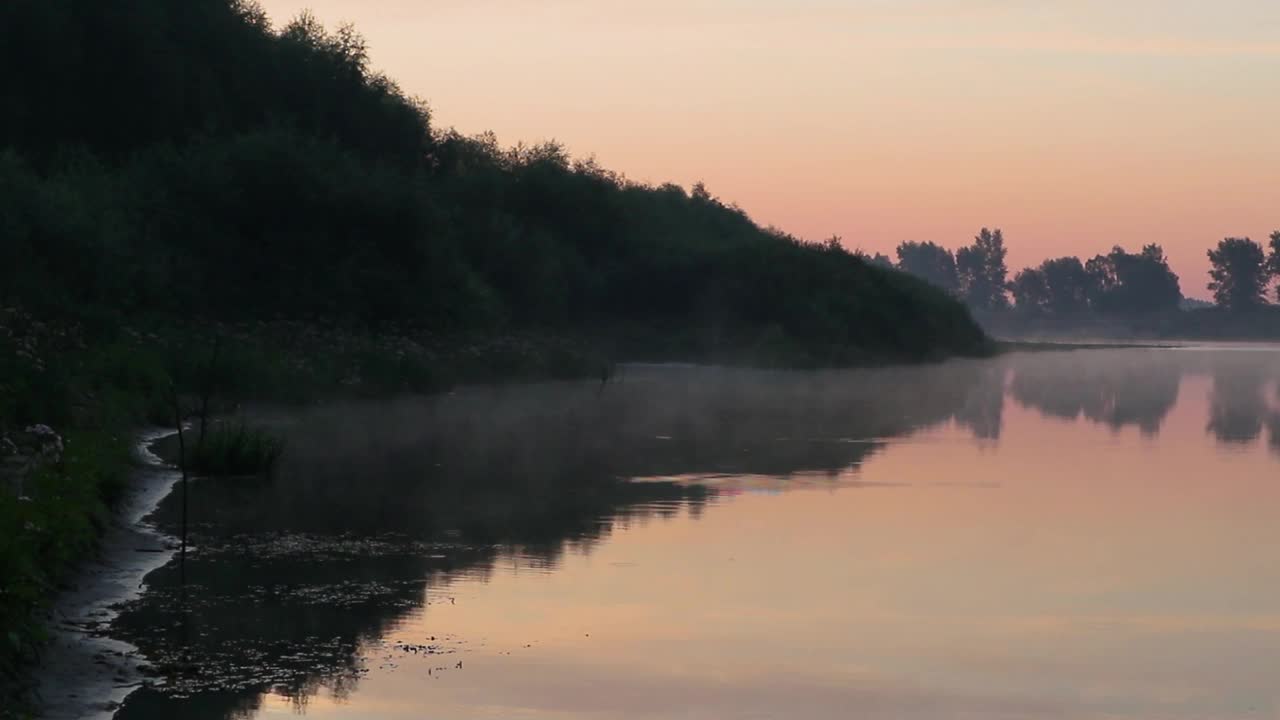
[(25, 452)]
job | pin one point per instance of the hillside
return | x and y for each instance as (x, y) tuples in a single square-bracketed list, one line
[(184, 159)]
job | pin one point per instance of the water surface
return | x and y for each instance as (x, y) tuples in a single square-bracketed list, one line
[(1086, 534)]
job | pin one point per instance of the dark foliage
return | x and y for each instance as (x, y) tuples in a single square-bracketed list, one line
[(1030, 290), (1238, 274), (982, 272), (1273, 259), (235, 449), (879, 260), (930, 262), (1061, 285), (1132, 282), (185, 159)]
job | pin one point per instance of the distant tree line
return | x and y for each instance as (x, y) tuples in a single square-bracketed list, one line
[(976, 273), (1118, 282)]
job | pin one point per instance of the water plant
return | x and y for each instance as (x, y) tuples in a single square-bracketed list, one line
[(234, 449)]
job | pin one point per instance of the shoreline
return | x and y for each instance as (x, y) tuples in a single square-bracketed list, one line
[(82, 672), (1014, 346)]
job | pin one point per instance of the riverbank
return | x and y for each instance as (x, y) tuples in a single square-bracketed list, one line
[(1261, 324), (93, 384), (46, 531), (1012, 346), (84, 674)]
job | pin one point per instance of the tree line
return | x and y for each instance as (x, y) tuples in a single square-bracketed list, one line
[(1241, 272), (188, 159)]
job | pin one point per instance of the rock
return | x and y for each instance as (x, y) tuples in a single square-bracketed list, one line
[(41, 442), (25, 452)]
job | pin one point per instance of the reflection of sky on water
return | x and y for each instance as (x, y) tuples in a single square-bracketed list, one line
[(1078, 535)]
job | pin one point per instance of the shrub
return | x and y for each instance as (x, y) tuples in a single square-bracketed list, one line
[(232, 449)]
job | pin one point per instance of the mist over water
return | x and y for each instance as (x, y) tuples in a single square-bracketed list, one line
[(1070, 534)]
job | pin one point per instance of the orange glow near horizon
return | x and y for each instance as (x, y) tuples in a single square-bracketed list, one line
[(1074, 126)]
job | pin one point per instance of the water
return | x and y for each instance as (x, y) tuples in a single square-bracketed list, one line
[(1054, 535)]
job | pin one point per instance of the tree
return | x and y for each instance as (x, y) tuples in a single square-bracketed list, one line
[(929, 262), (1132, 282), (1061, 285), (1067, 283), (981, 270), (1030, 290), (878, 259), (223, 151), (881, 260), (1238, 274), (1273, 259)]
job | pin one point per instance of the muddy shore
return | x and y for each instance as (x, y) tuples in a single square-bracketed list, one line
[(82, 673)]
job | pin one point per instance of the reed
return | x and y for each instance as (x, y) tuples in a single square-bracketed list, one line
[(235, 448)]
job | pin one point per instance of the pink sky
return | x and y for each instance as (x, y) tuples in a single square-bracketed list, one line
[(1073, 125)]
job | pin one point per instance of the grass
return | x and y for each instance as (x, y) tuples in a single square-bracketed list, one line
[(232, 449), (44, 533)]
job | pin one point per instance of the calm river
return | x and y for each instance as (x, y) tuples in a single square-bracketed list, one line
[(1089, 534)]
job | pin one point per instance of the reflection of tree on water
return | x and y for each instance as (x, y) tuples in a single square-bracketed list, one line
[(1238, 403), (983, 408), (379, 507), (1140, 388), (1236, 409), (290, 611), (1114, 389)]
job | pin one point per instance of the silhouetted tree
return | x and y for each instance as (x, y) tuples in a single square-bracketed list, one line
[(1068, 284), (1030, 290), (881, 260), (982, 273), (1273, 259), (1132, 282), (1238, 274), (929, 262), (877, 259), (1061, 286)]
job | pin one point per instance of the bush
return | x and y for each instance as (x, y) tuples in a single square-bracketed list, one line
[(45, 532), (233, 449), (298, 183)]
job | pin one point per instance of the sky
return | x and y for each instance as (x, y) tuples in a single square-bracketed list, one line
[(1073, 125)]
